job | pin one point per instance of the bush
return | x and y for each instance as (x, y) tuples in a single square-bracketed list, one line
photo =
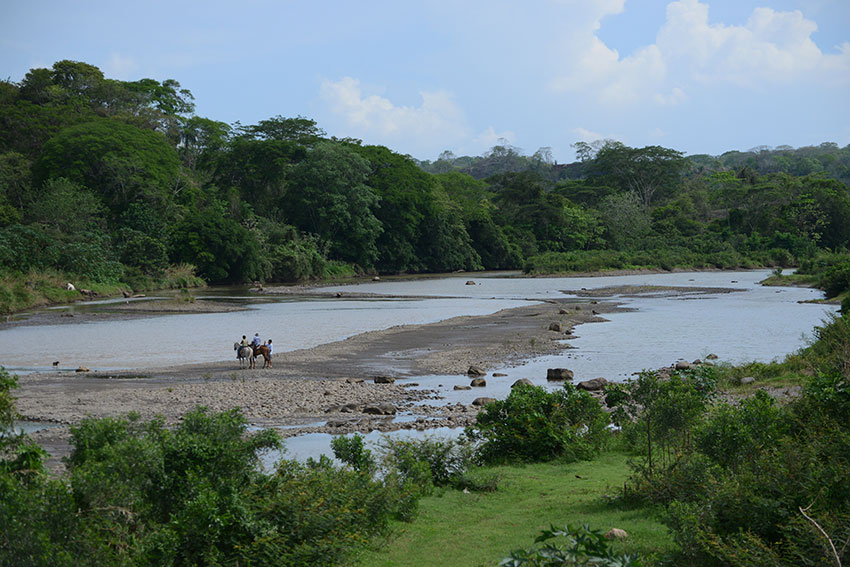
[(535, 425), (583, 547)]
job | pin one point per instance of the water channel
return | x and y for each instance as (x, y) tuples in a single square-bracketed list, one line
[(753, 323)]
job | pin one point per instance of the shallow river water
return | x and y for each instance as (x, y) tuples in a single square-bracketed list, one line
[(755, 323)]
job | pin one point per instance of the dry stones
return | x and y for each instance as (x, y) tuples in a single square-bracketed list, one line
[(558, 374), (380, 409)]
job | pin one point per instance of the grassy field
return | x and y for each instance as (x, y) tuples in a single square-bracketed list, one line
[(476, 529)]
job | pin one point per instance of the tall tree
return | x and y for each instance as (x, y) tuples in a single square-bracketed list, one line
[(647, 172), (329, 197)]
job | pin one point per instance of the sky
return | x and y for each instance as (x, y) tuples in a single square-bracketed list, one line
[(425, 76)]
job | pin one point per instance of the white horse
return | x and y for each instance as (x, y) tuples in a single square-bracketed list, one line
[(245, 354)]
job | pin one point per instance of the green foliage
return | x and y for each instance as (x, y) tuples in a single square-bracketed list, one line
[(222, 249), (583, 547), (532, 424), (139, 493), (330, 199), (105, 179), (762, 483), (730, 434), (119, 162), (658, 417)]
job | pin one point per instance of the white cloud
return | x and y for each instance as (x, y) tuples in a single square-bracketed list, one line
[(438, 121), (772, 48)]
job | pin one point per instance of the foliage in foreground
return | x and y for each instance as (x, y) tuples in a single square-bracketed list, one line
[(755, 483), (138, 493), (582, 547), (532, 425)]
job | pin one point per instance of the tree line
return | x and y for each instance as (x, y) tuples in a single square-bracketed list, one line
[(118, 181)]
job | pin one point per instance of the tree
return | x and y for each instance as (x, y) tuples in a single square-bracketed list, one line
[(625, 219), (222, 249), (118, 161), (648, 172), (259, 171), (330, 198), (301, 130)]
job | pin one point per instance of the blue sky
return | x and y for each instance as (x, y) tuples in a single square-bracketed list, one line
[(700, 76)]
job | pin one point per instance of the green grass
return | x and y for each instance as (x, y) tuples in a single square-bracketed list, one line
[(454, 528), (790, 372)]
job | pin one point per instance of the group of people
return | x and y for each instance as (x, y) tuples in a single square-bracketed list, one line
[(254, 343)]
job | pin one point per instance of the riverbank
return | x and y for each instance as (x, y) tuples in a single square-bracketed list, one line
[(328, 388)]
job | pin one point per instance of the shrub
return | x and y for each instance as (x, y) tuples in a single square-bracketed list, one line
[(535, 425), (583, 547)]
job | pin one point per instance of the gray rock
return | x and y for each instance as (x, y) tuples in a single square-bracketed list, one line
[(478, 383), (711, 357), (747, 380), (383, 408), (499, 374), (593, 385), (462, 387), (384, 379), (483, 401), (683, 365), (476, 371), (522, 381), (558, 374), (354, 380), (616, 533), (556, 326), (470, 282)]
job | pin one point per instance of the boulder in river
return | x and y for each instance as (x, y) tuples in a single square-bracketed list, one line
[(522, 381), (478, 382), (593, 385), (558, 374), (384, 380), (483, 401)]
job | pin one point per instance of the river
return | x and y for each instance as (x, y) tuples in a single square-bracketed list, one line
[(753, 323)]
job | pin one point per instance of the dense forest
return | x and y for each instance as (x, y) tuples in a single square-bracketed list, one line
[(107, 182)]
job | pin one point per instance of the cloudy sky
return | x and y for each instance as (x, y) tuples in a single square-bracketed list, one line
[(423, 76)]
